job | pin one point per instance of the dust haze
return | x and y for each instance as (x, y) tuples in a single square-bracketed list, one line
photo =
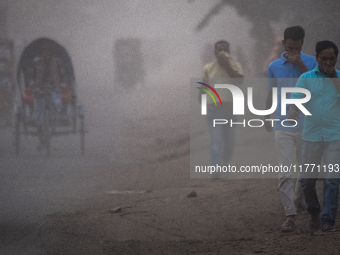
[(125, 123), (126, 128), (171, 51), (137, 141)]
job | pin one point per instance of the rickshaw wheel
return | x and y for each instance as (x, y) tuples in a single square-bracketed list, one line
[(82, 134), (74, 124), (47, 131), (17, 133), (74, 118), (81, 118)]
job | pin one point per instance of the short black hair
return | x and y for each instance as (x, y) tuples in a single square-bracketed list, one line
[(221, 41), (294, 33), (323, 45)]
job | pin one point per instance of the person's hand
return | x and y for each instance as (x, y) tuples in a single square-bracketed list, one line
[(293, 114), (329, 71), (268, 125), (293, 57), (222, 58)]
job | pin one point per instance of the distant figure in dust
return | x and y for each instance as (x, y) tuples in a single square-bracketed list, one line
[(222, 137)]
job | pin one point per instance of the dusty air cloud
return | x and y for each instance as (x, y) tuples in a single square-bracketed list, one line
[(171, 49), (89, 29)]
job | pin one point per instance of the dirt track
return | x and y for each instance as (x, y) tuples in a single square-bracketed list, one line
[(129, 196), (150, 213)]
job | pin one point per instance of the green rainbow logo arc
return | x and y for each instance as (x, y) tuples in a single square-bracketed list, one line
[(209, 93)]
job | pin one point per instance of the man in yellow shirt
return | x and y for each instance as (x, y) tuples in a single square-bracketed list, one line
[(222, 138)]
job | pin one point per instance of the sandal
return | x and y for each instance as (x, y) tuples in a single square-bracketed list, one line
[(288, 226), (326, 227), (314, 224)]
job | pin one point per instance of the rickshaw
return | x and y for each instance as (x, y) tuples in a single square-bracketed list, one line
[(129, 67), (7, 88), (69, 120)]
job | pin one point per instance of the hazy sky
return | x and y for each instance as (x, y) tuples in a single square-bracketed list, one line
[(88, 30)]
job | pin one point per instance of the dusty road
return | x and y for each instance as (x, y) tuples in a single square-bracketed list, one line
[(33, 186), (128, 195)]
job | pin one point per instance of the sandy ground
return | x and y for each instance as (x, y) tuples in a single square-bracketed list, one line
[(148, 210), (129, 195)]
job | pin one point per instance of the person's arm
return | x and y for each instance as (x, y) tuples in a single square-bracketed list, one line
[(224, 61), (269, 102), (269, 99), (336, 82), (295, 58), (331, 73), (294, 112)]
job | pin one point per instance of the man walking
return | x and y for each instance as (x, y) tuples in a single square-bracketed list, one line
[(222, 137), (284, 73), (321, 136)]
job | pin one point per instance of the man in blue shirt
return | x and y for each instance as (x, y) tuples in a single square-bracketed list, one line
[(321, 135), (284, 72)]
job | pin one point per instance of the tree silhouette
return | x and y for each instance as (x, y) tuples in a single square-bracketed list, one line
[(320, 18)]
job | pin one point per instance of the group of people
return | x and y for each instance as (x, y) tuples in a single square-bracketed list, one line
[(308, 140)]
